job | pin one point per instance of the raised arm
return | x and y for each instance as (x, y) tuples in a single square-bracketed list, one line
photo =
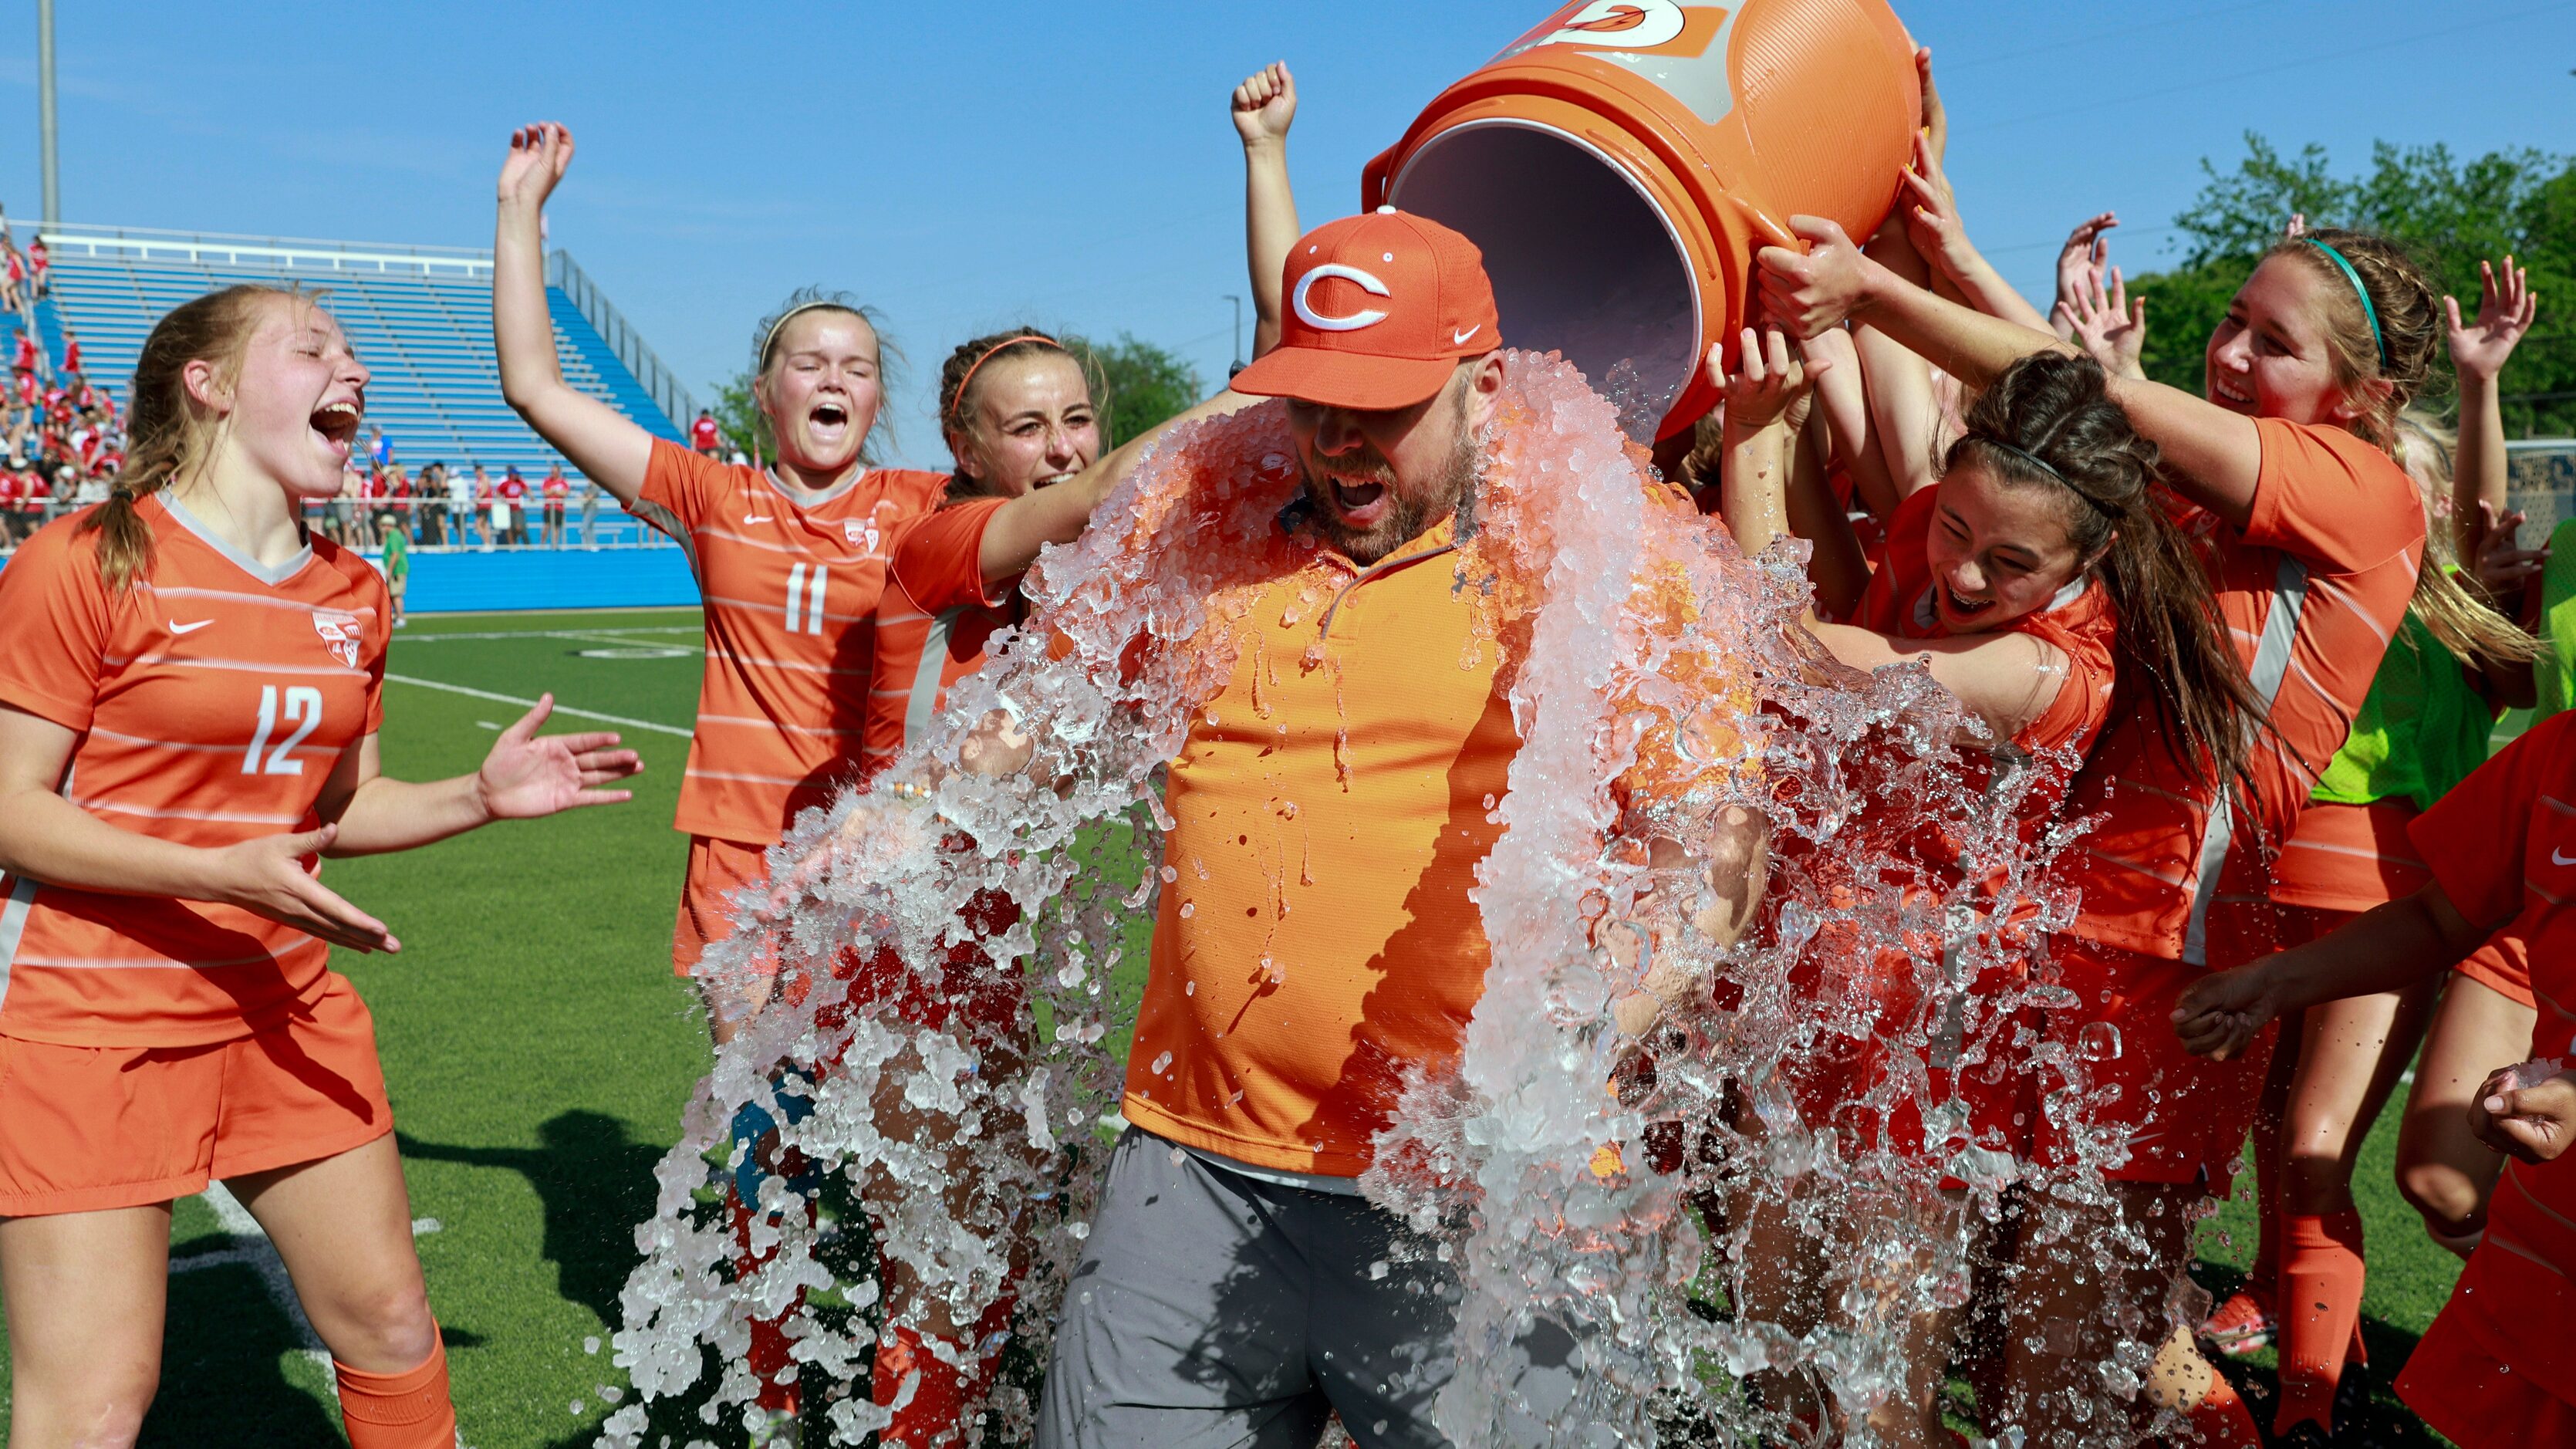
[(1843, 408), (1028, 523), (599, 440), (2214, 456), (2079, 268), (526, 776), (1263, 107), (1931, 211), (2506, 308)]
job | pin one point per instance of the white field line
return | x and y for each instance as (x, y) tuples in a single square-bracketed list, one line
[(617, 719), (693, 630), (250, 1245)]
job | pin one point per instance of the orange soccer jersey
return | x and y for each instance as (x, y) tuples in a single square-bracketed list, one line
[(791, 596), (932, 623), (212, 700), (2312, 590)]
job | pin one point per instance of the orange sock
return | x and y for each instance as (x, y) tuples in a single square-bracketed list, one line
[(2220, 1420), (406, 1410), (2320, 1311)]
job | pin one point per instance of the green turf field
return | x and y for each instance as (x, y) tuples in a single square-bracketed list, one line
[(539, 1051)]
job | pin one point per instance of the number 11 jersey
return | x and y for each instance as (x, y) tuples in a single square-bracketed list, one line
[(211, 701), (790, 588)]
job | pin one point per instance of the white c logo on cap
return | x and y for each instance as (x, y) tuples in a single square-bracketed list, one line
[(1352, 323)]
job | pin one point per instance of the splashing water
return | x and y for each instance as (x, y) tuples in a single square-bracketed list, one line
[(942, 943)]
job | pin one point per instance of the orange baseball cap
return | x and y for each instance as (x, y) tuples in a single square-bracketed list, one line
[(1380, 309)]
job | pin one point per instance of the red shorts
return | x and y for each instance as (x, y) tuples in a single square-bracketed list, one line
[(717, 869), (84, 1128), (2474, 1399), (2186, 1117), (2503, 966), (1956, 1055)]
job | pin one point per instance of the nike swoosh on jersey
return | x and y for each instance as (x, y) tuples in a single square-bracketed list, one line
[(178, 628), (1463, 336), (2556, 859)]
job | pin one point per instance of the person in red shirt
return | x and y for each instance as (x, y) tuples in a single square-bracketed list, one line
[(189, 704), (555, 488), (26, 359), (2498, 1366), (12, 488), (510, 502), (40, 268), (71, 352), (705, 436), (2284, 474)]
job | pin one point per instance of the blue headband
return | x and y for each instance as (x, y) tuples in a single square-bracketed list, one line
[(2369, 313)]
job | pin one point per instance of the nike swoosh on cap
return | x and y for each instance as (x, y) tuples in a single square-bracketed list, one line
[(178, 628), (1463, 336)]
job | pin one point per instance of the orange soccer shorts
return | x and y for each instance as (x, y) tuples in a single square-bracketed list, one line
[(2186, 1118), (2503, 966), (717, 869), (86, 1128)]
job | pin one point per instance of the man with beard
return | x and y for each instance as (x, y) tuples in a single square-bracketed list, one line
[(1315, 935)]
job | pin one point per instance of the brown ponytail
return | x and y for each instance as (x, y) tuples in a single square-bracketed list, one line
[(2402, 303), (168, 432), (2049, 421)]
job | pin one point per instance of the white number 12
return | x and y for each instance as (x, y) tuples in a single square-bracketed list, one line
[(303, 710)]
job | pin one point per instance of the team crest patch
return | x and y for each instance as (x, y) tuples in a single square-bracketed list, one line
[(861, 532), (340, 634)]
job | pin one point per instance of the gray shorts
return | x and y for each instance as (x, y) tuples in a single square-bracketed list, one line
[(1211, 1310)]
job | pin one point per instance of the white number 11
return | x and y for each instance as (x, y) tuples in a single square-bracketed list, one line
[(303, 710)]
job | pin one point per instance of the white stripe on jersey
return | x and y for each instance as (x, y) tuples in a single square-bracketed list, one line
[(794, 665), (265, 601), (747, 779), (123, 738), (771, 724), (165, 963), (219, 817), (250, 666), (747, 606)]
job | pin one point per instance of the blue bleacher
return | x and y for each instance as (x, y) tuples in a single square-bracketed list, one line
[(419, 318)]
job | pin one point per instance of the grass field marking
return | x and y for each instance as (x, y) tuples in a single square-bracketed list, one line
[(641, 724), (250, 1245), (620, 636)]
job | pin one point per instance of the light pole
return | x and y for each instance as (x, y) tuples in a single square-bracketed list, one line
[(45, 111), (1238, 328)]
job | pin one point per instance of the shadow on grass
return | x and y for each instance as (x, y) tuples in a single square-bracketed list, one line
[(223, 1369), (2368, 1413), (596, 1184)]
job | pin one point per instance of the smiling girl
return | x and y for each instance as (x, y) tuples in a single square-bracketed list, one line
[(2285, 475), (188, 714), (2039, 570), (790, 559)]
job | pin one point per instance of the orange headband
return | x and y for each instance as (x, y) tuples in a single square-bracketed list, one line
[(969, 379)]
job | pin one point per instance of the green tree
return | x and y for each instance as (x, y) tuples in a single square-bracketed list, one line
[(1138, 384), (740, 419), (2451, 214)]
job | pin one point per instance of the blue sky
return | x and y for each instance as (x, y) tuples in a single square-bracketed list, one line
[(973, 166)]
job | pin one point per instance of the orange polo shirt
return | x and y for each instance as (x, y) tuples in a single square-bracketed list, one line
[(1331, 805)]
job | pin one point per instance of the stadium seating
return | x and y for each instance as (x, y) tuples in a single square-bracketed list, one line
[(420, 318)]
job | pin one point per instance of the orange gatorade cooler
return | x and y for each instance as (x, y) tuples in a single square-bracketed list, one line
[(1620, 164)]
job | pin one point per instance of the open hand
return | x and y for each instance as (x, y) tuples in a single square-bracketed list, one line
[(538, 155), (1935, 119), (2109, 328), (2506, 307), (1931, 211), (2502, 568), (2081, 261), (2526, 1111), (526, 776), (268, 876), (1264, 105), (1807, 292), (2219, 1015), (1771, 376)]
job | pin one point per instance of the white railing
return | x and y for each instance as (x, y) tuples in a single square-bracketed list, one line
[(279, 252)]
